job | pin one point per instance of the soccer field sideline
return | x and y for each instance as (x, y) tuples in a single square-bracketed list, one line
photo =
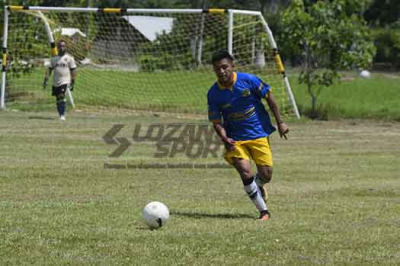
[(334, 197)]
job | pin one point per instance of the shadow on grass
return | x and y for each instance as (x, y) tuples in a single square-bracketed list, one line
[(41, 118), (200, 215)]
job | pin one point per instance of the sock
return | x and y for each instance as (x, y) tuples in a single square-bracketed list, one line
[(58, 108), (61, 107), (254, 194)]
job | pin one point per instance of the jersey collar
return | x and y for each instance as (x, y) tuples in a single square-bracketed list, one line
[(222, 87)]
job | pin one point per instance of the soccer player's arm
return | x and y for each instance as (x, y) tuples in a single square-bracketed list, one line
[(72, 69), (264, 91), (221, 132), (49, 70), (273, 106), (214, 116)]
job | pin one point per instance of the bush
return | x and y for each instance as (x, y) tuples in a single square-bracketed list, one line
[(165, 62), (387, 42)]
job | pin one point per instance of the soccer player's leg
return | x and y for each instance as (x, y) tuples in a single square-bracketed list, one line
[(263, 177), (59, 92), (262, 156), (240, 159)]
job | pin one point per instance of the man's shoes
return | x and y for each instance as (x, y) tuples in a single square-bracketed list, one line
[(62, 118), (264, 216)]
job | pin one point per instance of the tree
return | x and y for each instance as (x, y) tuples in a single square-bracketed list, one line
[(383, 13), (384, 18), (328, 39)]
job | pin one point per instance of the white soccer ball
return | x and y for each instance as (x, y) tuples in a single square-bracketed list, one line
[(155, 214), (365, 74)]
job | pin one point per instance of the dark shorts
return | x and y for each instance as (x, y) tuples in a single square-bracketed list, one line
[(57, 91)]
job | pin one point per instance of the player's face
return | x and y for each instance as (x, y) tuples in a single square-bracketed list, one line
[(62, 48), (224, 71)]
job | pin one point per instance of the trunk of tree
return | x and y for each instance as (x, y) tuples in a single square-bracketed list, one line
[(309, 71), (314, 113)]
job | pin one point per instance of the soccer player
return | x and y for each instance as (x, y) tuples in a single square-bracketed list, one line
[(243, 124), (64, 68)]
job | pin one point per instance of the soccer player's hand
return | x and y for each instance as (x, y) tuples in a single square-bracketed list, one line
[(229, 144), (283, 130), (45, 83), (71, 86)]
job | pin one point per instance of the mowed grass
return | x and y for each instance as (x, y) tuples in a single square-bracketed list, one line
[(118, 88), (355, 97), (335, 197), (185, 92), (173, 91)]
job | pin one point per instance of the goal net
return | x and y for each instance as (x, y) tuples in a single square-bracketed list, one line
[(143, 59)]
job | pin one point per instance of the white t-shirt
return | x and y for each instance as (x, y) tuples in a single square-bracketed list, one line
[(62, 66)]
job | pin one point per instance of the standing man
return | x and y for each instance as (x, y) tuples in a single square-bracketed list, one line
[(64, 75), (241, 121)]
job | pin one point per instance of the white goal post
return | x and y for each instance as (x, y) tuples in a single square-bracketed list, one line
[(150, 48)]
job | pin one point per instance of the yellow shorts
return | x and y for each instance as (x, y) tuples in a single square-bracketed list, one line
[(257, 149)]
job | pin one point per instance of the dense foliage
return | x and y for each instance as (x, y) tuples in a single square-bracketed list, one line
[(328, 39), (384, 16)]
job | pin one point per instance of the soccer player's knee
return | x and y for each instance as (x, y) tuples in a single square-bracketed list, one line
[(60, 97), (265, 174), (243, 168), (245, 173)]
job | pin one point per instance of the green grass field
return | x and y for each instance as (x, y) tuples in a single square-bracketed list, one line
[(335, 197), (121, 89), (174, 91), (355, 97)]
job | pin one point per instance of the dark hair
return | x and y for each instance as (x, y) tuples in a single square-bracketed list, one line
[(60, 41), (221, 54)]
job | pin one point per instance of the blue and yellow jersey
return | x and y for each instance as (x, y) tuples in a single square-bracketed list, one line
[(239, 108)]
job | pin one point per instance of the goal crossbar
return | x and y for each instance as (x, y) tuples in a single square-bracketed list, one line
[(130, 10)]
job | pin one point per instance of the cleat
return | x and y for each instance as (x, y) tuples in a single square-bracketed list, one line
[(264, 216), (62, 118)]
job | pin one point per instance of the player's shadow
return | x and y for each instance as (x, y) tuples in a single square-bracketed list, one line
[(200, 215), (41, 118)]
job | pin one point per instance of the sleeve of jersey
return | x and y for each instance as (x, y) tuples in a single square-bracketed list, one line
[(261, 87), (72, 64), (214, 114)]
